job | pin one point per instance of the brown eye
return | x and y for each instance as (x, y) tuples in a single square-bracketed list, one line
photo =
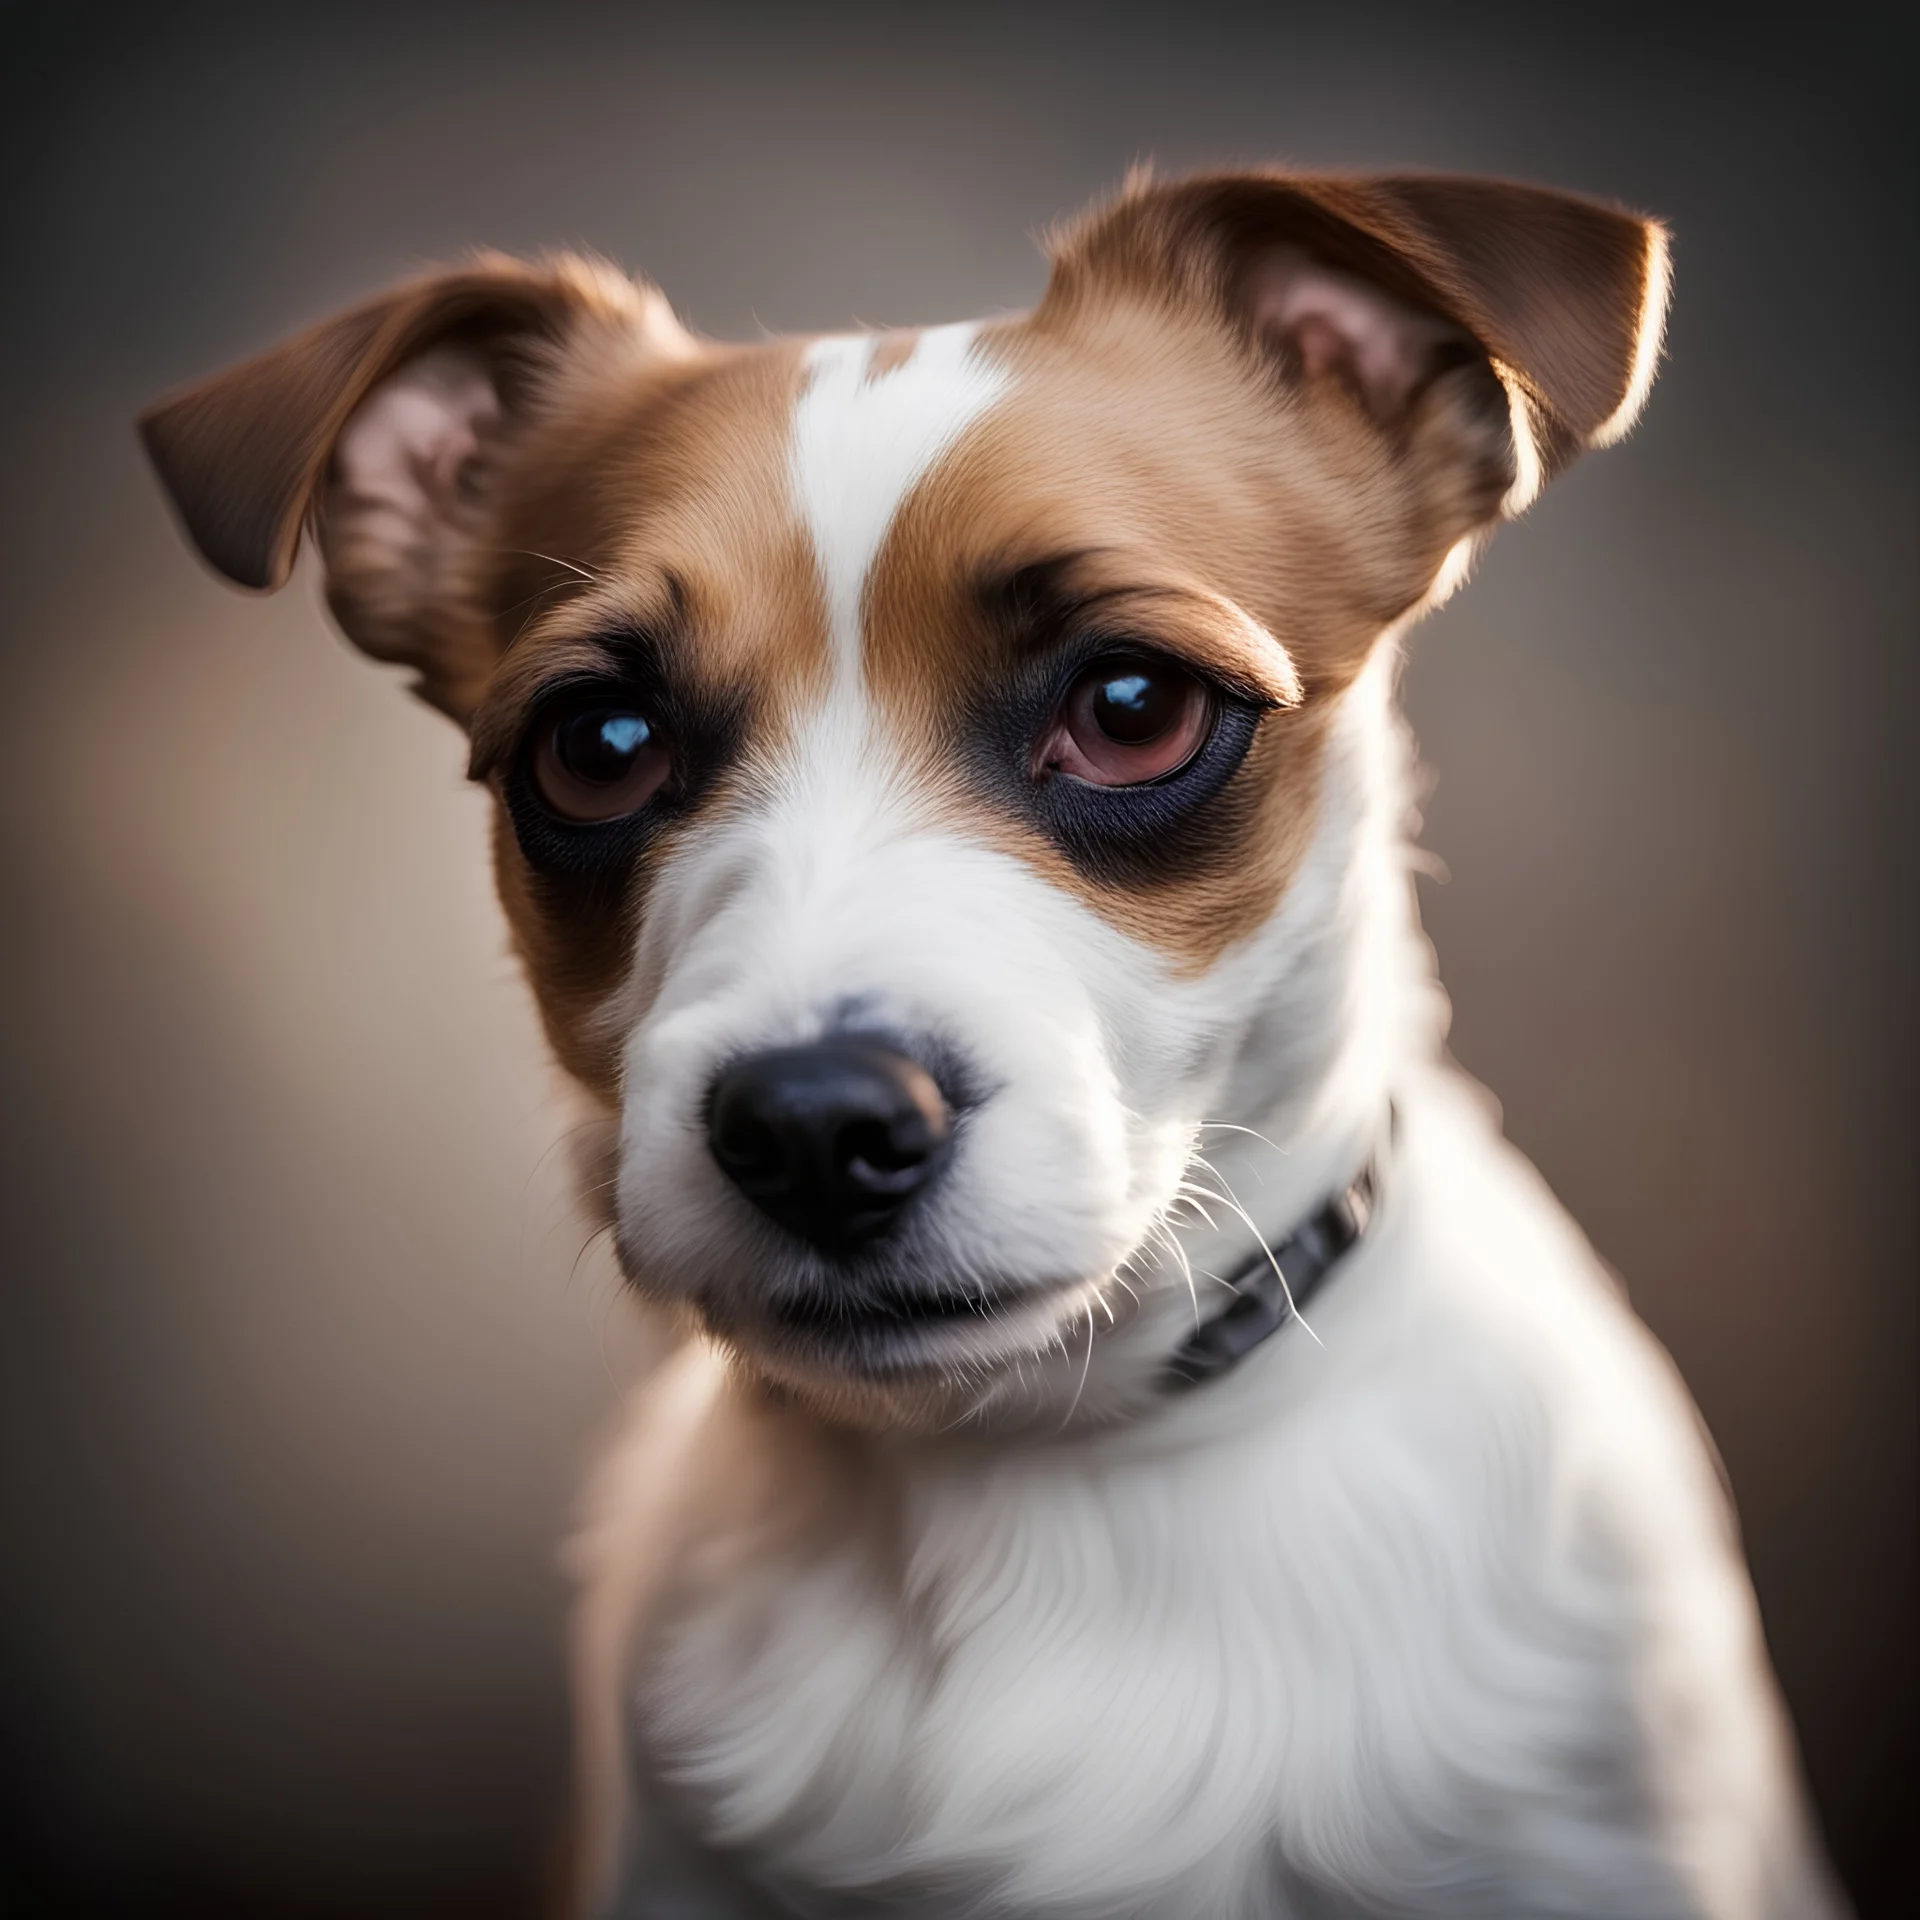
[(1125, 721), (599, 760)]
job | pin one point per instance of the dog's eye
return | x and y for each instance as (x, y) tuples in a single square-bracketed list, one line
[(598, 760), (1126, 720)]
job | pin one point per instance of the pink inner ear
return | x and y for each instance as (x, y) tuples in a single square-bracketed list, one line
[(409, 444), (1339, 324), (397, 516)]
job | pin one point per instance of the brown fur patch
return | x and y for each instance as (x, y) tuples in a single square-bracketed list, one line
[(667, 497)]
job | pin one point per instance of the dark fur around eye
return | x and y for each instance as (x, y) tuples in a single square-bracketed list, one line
[(1164, 829), (584, 861)]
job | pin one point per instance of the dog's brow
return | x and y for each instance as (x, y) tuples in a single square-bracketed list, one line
[(1037, 597), (1040, 602)]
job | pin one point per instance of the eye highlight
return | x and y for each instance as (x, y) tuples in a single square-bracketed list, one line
[(598, 758), (1126, 720)]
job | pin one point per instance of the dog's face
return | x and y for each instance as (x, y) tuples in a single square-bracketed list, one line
[(910, 747)]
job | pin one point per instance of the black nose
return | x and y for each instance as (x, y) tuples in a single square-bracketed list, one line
[(831, 1140)]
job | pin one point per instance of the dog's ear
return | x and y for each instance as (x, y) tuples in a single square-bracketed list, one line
[(382, 429), (1416, 294)]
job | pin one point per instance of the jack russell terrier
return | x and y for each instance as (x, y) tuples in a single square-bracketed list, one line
[(1142, 1444)]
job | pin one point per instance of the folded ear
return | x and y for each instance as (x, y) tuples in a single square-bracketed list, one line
[(1406, 290), (383, 429)]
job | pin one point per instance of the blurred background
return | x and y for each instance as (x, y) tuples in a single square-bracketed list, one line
[(303, 1350)]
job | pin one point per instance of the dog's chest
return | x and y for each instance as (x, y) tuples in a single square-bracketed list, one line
[(938, 1698), (1119, 1686)]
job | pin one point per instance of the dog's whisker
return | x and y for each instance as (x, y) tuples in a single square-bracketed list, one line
[(586, 1247), (1086, 1367), (527, 600), (1229, 1126), (1227, 1199), (552, 559), (565, 1138), (1188, 1198), (599, 1326), (1164, 1232)]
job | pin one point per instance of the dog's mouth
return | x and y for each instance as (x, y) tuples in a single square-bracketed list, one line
[(872, 1330), (827, 1313)]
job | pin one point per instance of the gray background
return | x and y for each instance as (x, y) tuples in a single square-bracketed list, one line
[(301, 1354)]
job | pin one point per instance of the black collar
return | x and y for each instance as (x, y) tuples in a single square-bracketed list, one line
[(1276, 1285)]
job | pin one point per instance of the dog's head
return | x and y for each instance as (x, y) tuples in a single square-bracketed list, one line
[(910, 748)]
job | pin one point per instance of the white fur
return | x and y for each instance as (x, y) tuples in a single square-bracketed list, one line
[(861, 443), (1432, 1611)]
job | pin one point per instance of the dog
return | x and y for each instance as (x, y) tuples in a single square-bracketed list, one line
[(1139, 1442)]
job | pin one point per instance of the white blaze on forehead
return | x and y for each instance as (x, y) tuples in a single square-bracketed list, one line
[(862, 442)]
